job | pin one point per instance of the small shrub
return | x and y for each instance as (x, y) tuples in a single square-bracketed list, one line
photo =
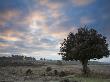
[(55, 72), (48, 69), (62, 74), (29, 72)]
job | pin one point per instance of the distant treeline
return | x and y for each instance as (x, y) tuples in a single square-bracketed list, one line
[(20, 60), (17, 60)]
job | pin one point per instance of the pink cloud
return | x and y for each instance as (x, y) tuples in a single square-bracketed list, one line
[(82, 2), (86, 20)]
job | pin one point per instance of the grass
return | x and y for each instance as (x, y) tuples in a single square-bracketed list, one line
[(100, 73), (87, 79), (82, 79)]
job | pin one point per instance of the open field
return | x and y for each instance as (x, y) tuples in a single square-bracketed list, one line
[(99, 73)]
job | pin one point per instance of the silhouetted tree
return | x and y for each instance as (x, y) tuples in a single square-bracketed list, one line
[(86, 44)]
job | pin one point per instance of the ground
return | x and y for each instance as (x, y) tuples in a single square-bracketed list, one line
[(99, 73)]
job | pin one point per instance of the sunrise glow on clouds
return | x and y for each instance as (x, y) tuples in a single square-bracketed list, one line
[(37, 27)]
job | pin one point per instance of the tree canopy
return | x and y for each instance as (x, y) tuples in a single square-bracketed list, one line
[(84, 45)]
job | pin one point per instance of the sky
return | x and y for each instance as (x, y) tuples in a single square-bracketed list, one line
[(37, 27)]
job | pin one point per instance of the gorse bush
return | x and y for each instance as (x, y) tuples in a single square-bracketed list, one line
[(29, 72), (55, 72), (62, 74), (48, 69)]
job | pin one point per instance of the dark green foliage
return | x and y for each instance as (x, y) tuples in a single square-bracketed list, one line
[(86, 44), (48, 69)]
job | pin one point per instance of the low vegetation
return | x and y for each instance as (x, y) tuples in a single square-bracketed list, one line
[(65, 73)]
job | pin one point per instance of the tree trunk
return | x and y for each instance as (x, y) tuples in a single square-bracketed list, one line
[(85, 68)]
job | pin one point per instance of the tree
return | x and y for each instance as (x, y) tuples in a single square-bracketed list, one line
[(84, 45)]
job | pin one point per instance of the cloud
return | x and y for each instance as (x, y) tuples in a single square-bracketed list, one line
[(4, 45), (82, 2), (47, 55), (86, 20), (37, 15), (53, 5), (60, 34), (37, 27), (9, 38), (6, 16)]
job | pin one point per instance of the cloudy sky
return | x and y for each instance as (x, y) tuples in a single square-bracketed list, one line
[(37, 27)]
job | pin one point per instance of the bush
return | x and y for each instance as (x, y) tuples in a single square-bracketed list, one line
[(48, 69), (29, 72), (55, 72), (62, 74)]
